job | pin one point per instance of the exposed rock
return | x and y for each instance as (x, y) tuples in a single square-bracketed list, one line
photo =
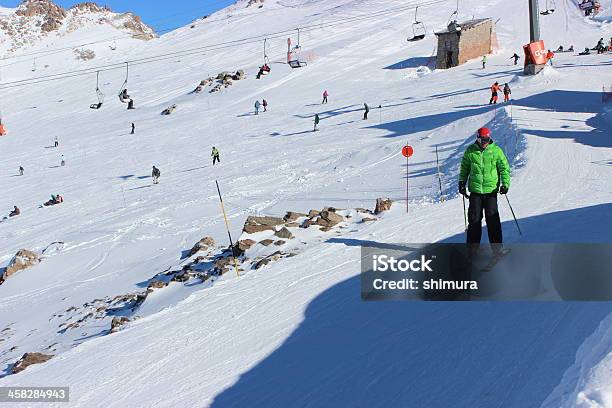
[(293, 224), (313, 213), (201, 245), (293, 216), (85, 55), (117, 323), (368, 219), (263, 262), (29, 359), (329, 218), (382, 205), (222, 265), (23, 259), (266, 242), (156, 284), (284, 233), (255, 224), (245, 244), (279, 242), (184, 276)]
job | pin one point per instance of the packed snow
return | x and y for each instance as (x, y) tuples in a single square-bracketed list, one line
[(295, 332)]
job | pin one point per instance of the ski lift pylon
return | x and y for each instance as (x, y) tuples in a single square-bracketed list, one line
[(418, 28)]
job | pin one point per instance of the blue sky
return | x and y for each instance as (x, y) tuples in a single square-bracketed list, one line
[(158, 14)]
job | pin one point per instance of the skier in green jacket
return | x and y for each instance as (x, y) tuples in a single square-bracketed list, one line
[(215, 155), (485, 172)]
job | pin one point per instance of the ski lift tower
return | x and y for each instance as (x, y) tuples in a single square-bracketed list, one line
[(535, 51)]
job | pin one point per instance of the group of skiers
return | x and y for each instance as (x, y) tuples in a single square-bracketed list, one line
[(495, 88), (259, 105), (55, 199)]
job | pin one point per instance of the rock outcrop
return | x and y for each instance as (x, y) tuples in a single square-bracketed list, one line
[(23, 259), (29, 359), (255, 224), (382, 204), (202, 245)]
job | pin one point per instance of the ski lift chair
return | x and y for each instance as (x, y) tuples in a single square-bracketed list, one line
[(293, 55), (418, 28), (99, 94), (550, 8)]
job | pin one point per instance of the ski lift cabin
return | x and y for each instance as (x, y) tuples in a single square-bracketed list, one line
[(461, 42)]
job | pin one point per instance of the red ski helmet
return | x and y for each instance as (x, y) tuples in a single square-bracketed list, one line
[(484, 133)]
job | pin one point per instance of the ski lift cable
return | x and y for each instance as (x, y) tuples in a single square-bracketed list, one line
[(197, 50)]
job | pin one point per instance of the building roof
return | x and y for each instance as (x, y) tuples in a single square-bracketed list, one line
[(466, 25)]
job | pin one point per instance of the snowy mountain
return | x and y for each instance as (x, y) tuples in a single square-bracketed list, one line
[(42, 21), (131, 300)]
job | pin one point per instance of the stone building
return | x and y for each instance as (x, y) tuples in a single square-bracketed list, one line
[(461, 42)]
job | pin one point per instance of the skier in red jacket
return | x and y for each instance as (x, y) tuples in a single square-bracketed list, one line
[(495, 88)]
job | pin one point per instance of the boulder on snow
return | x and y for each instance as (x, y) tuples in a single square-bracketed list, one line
[(266, 242), (203, 244), (23, 259), (117, 323), (284, 233), (245, 244), (382, 205), (293, 216), (329, 218), (29, 359), (239, 75), (257, 224)]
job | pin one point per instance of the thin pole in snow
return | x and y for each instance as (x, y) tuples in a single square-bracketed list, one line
[(439, 177), (407, 178), (514, 216), (228, 228)]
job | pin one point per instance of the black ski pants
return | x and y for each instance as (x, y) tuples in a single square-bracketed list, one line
[(486, 203)]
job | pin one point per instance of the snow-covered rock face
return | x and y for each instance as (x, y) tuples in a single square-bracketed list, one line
[(33, 20)]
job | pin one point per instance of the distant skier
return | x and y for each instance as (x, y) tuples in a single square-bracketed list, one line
[(63, 161), (265, 105), (325, 95), (366, 110), (21, 170), (55, 199), (16, 211), (215, 156), (156, 174), (515, 57), (507, 92), (549, 57), (600, 47), (495, 88), (55, 142), (257, 105), (486, 172), (133, 129), (484, 61), (316, 122)]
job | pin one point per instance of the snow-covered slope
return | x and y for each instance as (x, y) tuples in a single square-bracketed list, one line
[(294, 333)]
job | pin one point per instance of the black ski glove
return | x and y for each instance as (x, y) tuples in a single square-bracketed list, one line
[(462, 190), (503, 190)]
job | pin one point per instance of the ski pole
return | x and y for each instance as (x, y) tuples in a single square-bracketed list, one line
[(464, 212), (514, 216)]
